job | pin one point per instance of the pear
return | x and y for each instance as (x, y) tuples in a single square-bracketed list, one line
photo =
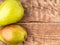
[(11, 11), (13, 34)]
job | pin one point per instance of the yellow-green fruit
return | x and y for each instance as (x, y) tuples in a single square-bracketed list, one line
[(11, 11), (13, 34)]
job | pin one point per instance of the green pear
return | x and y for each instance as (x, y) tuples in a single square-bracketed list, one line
[(13, 34), (11, 11)]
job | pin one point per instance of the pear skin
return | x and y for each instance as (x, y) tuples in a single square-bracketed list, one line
[(13, 34), (11, 11)]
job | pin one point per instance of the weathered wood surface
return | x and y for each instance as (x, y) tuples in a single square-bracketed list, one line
[(42, 33), (37, 12), (41, 10)]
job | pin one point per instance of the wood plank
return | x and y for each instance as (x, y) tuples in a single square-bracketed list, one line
[(42, 33), (41, 10)]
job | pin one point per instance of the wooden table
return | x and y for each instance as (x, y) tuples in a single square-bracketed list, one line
[(42, 22)]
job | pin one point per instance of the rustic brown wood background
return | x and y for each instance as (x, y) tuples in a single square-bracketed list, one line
[(41, 21)]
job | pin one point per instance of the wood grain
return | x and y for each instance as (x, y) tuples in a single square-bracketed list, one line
[(42, 33), (41, 10)]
